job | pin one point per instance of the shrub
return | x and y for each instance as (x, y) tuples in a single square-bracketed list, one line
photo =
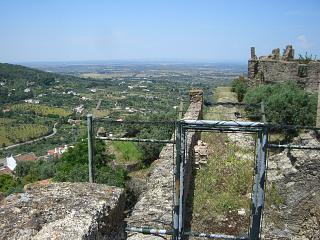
[(73, 166), (286, 103), (240, 87), (7, 184)]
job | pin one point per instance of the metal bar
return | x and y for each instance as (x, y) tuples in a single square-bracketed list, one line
[(284, 126), (247, 124), (181, 194), (215, 236), (136, 140), (106, 120), (223, 123), (90, 147), (223, 128), (290, 146), (149, 230), (177, 183), (258, 186)]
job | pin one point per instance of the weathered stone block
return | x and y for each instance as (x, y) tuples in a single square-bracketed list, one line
[(64, 211)]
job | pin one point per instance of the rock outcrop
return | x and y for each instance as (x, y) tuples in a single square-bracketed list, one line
[(64, 211)]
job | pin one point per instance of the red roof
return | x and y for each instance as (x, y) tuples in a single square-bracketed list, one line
[(51, 152), (5, 170), (25, 157)]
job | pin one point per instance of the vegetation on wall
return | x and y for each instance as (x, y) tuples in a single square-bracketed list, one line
[(307, 58)]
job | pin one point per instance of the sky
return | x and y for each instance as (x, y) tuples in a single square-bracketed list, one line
[(155, 30)]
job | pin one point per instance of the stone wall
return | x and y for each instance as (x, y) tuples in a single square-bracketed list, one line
[(155, 205), (294, 212), (64, 211), (277, 68)]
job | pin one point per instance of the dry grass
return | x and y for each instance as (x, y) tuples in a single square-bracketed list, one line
[(224, 94), (223, 187)]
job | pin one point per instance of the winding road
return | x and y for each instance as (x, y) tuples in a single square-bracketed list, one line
[(54, 132)]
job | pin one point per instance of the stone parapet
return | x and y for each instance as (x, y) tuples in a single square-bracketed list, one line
[(64, 211)]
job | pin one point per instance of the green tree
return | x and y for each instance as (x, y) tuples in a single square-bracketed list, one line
[(240, 87), (73, 166), (7, 183), (286, 103), (23, 168)]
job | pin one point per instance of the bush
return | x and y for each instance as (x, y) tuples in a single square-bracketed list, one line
[(7, 184), (73, 166), (240, 86), (286, 103)]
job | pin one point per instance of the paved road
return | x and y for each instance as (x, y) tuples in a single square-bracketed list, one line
[(54, 132)]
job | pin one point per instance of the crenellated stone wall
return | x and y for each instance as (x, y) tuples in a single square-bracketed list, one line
[(276, 68), (155, 205)]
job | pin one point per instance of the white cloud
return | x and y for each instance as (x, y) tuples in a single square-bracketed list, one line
[(303, 42)]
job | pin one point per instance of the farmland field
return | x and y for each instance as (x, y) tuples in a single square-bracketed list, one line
[(16, 133), (41, 110)]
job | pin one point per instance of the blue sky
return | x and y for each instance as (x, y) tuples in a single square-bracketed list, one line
[(193, 30)]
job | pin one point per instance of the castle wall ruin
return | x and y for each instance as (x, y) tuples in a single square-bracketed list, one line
[(276, 68)]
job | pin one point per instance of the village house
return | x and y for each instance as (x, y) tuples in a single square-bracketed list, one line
[(73, 121), (79, 109), (9, 163), (57, 151)]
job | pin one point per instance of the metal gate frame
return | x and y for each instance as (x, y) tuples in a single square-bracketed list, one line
[(257, 203)]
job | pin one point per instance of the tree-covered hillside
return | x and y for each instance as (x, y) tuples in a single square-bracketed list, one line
[(18, 82)]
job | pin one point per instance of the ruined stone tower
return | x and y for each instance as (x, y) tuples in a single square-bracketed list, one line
[(279, 68)]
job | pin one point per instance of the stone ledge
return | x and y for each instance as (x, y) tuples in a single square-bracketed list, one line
[(63, 211)]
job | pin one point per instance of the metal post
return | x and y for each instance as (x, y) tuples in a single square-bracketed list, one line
[(90, 147), (177, 183), (182, 170), (180, 109), (263, 112), (258, 185)]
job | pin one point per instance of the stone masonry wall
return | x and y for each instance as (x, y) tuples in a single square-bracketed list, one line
[(155, 206), (295, 175), (270, 70), (64, 211)]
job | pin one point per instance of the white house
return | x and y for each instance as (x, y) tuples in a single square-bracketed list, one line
[(10, 162)]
